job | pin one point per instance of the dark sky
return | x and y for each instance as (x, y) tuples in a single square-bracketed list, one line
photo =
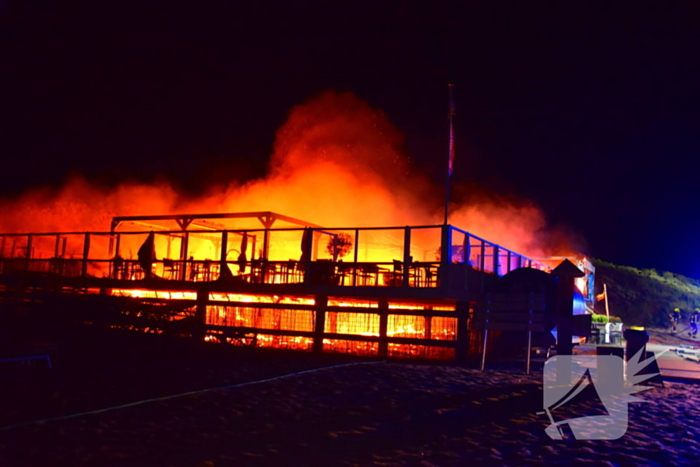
[(589, 110)]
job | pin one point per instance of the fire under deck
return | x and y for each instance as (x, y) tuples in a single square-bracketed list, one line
[(384, 291)]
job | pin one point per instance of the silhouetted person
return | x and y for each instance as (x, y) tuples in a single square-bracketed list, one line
[(694, 319), (147, 255), (118, 266), (193, 268)]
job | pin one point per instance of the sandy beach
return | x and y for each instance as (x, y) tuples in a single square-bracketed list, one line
[(349, 412)]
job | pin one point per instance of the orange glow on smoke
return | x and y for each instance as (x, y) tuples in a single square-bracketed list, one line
[(337, 162)]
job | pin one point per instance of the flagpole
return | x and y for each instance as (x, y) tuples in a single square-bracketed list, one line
[(450, 156), (607, 310)]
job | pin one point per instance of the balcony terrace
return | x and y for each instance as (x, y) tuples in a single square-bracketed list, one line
[(428, 260)]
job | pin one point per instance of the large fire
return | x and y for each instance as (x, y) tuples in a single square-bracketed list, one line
[(337, 162)]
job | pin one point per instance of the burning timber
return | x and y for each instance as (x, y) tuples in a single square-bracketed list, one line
[(262, 279)]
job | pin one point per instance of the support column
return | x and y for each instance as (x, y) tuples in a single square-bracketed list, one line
[(355, 257), (117, 244), (86, 254), (201, 315), (383, 310), (320, 325), (307, 241), (445, 256), (482, 260), (266, 244), (184, 246), (224, 272), (406, 256), (496, 254), (466, 250)]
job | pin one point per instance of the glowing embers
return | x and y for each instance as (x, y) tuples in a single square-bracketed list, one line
[(420, 306), (260, 318), (247, 298), (422, 327), (420, 351), (130, 327), (162, 294), (259, 340), (359, 324), (362, 349), (349, 302)]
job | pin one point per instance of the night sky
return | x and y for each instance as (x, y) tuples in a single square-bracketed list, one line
[(591, 111)]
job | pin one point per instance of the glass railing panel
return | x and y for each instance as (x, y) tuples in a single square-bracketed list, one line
[(476, 253), (425, 244), (489, 251), (99, 259), (15, 246), (380, 245), (283, 245)]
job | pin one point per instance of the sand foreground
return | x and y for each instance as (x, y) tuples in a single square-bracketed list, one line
[(349, 412)]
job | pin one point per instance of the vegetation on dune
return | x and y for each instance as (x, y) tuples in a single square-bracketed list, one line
[(645, 297), (604, 319)]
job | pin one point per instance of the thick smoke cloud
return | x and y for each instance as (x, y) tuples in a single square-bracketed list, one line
[(336, 162)]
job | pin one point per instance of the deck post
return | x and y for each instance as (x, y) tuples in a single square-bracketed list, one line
[(466, 250), (482, 259), (117, 244), (201, 315), (224, 247), (86, 254), (496, 260), (356, 255), (445, 255), (305, 260), (320, 322), (406, 256), (383, 309), (266, 244), (184, 246), (113, 252)]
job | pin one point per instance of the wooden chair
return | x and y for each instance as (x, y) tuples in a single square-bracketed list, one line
[(397, 280), (292, 272), (342, 271), (368, 275), (194, 269), (206, 270), (118, 267), (169, 269), (432, 274)]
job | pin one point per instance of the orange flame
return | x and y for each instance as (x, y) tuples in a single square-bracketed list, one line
[(337, 162)]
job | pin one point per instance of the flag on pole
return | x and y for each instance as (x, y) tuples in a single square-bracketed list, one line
[(600, 296)]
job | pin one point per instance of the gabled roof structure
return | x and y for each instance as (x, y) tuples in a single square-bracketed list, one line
[(184, 221)]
